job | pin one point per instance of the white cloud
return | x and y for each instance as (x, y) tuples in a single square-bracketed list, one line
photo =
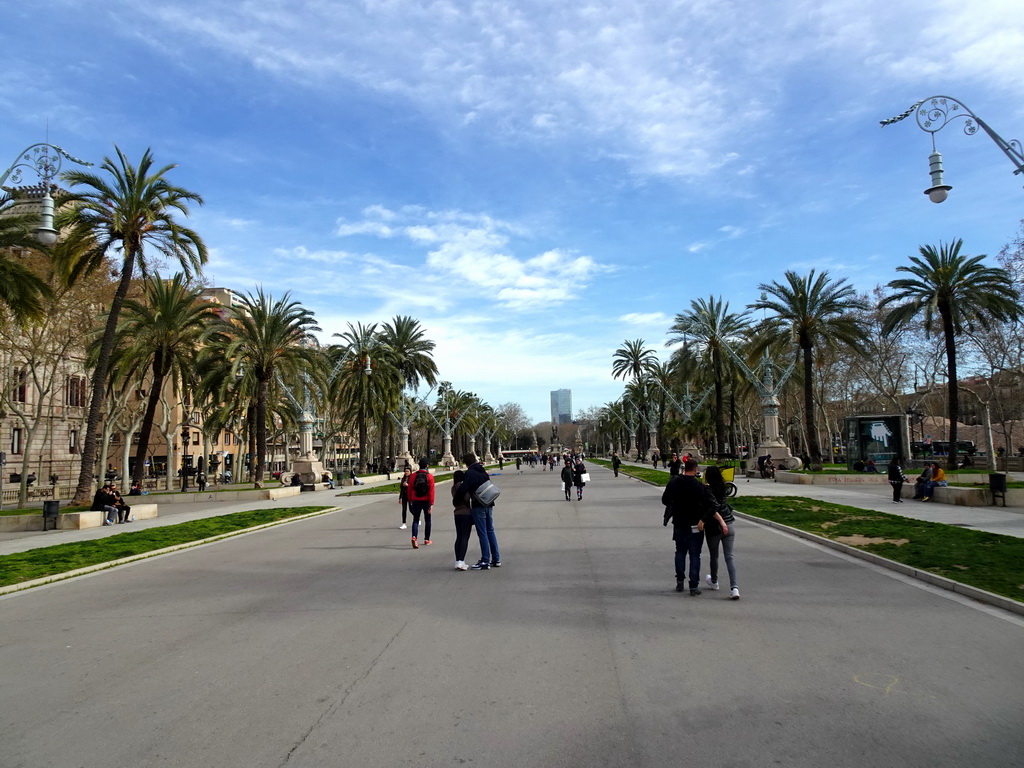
[(645, 318), (464, 251)]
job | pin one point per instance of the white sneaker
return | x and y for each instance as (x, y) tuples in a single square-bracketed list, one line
[(710, 583), (734, 594), (461, 566), (402, 527)]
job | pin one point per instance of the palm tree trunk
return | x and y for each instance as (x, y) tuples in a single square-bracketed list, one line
[(146, 429), (261, 429), (813, 447), (83, 492), (953, 387)]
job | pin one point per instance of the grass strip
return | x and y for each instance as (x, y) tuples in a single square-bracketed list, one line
[(989, 561), (61, 558)]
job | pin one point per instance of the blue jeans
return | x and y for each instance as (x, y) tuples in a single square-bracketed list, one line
[(727, 545), (483, 518), (418, 508), (688, 542)]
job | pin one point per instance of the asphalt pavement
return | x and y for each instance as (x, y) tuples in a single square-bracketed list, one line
[(331, 642)]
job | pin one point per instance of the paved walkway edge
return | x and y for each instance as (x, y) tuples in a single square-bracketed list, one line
[(154, 553), (981, 595)]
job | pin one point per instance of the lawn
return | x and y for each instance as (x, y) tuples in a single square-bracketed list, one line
[(61, 558)]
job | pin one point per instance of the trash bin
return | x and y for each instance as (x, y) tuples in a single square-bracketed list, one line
[(997, 486), (743, 466), (50, 511)]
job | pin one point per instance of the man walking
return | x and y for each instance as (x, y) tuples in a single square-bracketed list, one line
[(421, 501), (615, 463), (686, 501), (483, 517), (675, 465)]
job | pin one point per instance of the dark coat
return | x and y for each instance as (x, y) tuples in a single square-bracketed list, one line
[(687, 500)]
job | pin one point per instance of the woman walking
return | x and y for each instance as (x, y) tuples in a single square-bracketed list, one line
[(896, 478), (578, 470), (403, 496), (463, 520), (719, 527), (567, 480)]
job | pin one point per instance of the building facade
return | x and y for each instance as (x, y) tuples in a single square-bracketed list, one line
[(561, 406)]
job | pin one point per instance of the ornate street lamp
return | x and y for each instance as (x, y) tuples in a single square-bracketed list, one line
[(38, 157), (933, 114), (186, 434)]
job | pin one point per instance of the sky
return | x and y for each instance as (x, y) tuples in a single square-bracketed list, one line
[(535, 182)]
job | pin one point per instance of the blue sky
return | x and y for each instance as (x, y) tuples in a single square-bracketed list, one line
[(536, 182)]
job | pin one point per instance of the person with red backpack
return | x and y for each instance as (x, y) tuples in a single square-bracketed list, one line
[(421, 501)]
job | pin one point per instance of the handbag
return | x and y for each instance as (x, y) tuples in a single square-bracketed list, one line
[(585, 477), (486, 494)]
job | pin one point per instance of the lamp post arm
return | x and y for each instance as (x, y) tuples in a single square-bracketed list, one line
[(936, 112), (43, 163)]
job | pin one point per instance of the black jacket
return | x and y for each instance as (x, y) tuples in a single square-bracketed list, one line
[(476, 476), (686, 501)]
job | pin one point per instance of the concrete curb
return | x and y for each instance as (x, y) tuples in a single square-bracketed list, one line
[(12, 588), (982, 596)]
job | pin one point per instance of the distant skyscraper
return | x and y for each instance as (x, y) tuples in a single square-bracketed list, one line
[(561, 406)]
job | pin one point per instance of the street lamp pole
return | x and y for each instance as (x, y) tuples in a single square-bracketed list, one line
[(935, 113), (186, 433), (38, 158)]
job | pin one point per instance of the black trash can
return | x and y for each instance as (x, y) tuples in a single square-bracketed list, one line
[(743, 466), (50, 511), (997, 485)]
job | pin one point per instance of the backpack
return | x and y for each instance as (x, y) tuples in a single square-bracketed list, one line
[(421, 485)]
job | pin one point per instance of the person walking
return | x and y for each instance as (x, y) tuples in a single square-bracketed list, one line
[(616, 463), (675, 466), (463, 520), (567, 481), (719, 527), (519, 465), (201, 481), (421, 501), (896, 478), (403, 495), (483, 517), (686, 501), (578, 470)]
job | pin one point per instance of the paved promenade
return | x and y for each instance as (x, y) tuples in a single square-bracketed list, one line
[(330, 642)]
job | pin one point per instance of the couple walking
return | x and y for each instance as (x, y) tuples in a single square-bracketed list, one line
[(697, 510), (572, 474)]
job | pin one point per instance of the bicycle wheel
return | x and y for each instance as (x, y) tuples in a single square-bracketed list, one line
[(730, 490)]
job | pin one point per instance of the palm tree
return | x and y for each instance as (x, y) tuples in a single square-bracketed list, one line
[(162, 333), (813, 311), (710, 324), (131, 211), (361, 395), (632, 359), (21, 289), (410, 351), (954, 293), (264, 338)]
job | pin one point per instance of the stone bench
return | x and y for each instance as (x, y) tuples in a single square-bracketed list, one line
[(956, 495), (70, 521)]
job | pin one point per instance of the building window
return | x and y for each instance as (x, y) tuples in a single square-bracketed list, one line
[(195, 438), (73, 441), (18, 388), (227, 438), (16, 445), (215, 439), (75, 392)]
